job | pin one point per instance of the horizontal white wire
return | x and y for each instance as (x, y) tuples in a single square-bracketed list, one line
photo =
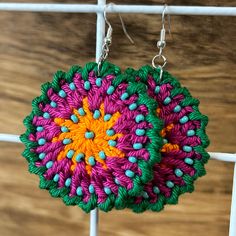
[(228, 157), (145, 9), (13, 138)]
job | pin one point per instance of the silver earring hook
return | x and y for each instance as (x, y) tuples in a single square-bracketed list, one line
[(161, 44), (122, 24), (106, 42), (108, 38)]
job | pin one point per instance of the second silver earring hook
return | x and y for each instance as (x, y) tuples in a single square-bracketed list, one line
[(161, 43), (106, 42)]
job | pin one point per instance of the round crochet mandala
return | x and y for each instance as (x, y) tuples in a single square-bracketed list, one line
[(93, 140), (184, 141)]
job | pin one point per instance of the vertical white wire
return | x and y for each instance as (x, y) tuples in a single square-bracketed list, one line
[(232, 227), (100, 34)]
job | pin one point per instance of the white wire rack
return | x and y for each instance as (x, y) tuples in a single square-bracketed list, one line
[(100, 32)]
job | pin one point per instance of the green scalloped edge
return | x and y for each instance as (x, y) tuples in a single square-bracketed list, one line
[(119, 202), (198, 164)]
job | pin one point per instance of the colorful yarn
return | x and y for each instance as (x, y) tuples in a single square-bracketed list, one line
[(93, 140), (116, 140), (184, 141)]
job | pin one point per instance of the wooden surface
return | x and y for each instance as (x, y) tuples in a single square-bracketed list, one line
[(202, 54)]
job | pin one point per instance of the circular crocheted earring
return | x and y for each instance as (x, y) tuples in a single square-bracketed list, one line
[(101, 138), (93, 136), (183, 153)]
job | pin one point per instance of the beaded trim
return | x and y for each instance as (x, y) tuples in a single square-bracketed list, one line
[(93, 140), (183, 153)]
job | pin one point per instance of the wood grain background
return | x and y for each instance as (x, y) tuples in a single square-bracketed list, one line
[(202, 54)]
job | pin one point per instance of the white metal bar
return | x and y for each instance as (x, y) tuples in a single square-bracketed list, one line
[(228, 157), (13, 138), (232, 227), (100, 34), (145, 9)]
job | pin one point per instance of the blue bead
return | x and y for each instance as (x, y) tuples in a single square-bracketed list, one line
[(124, 96), (81, 111), (129, 173), (46, 115), (64, 129), (137, 146), (42, 155), (41, 141), (89, 134), (157, 89), (56, 178), (62, 93), (107, 117), (39, 128), (91, 161), (140, 132), (79, 191), (107, 190), (190, 133), (187, 148), (72, 86), (96, 114), (49, 164), (110, 132), (70, 154), (170, 184), (91, 188), (167, 100), (79, 157), (117, 181), (156, 190), (102, 155), (165, 140), (177, 109), (87, 85), (178, 172), (139, 118), (99, 82), (145, 195), (53, 104), (112, 143), (188, 161), (133, 106), (74, 118), (132, 159), (110, 90), (66, 141), (183, 120), (68, 182)]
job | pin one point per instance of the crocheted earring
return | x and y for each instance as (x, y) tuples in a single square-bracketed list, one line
[(101, 138), (93, 136), (183, 152)]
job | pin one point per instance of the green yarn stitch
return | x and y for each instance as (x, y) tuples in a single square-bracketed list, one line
[(143, 73), (146, 168)]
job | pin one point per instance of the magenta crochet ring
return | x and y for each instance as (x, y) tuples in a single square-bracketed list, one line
[(93, 140), (183, 153)]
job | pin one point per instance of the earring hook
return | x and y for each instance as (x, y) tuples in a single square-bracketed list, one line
[(106, 42), (161, 43), (163, 19)]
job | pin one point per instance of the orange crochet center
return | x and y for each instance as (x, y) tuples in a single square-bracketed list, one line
[(89, 147)]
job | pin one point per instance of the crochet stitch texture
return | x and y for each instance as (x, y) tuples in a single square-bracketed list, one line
[(115, 140)]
